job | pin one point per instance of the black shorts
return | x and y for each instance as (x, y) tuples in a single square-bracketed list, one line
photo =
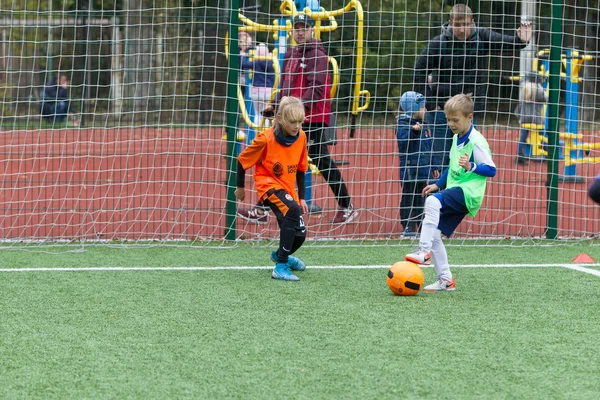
[(280, 202)]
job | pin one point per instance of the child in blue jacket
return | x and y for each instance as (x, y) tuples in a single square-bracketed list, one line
[(263, 79), (418, 162)]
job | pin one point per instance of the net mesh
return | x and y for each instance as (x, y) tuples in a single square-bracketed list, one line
[(116, 117)]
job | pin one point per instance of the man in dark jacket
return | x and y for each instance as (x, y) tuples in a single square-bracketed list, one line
[(457, 62), (305, 75)]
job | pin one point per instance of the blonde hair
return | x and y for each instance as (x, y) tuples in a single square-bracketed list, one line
[(460, 104), (290, 109), (461, 11), (529, 91)]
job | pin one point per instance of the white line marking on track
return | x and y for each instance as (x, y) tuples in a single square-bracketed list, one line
[(576, 267)]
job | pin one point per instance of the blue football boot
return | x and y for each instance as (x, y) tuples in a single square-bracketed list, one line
[(294, 263), (282, 272)]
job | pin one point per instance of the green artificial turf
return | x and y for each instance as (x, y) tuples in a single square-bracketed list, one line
[(521, 333)]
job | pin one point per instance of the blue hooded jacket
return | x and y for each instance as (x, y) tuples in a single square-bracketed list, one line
[(415, 148)]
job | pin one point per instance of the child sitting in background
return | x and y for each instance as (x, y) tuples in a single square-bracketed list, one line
[(56, 105), (529, 110)]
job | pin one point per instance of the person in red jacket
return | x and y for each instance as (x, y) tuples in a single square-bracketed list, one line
[(305, 75)]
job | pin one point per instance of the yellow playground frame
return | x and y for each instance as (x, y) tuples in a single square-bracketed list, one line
[(572, 142)]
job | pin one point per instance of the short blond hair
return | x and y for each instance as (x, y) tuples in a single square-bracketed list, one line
[(460, 104), (461, 11), (291, 109)]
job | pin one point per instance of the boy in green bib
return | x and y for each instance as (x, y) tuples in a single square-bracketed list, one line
[(457, 193)]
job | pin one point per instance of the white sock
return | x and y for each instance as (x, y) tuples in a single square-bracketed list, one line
[(440, 257), (430, 222)]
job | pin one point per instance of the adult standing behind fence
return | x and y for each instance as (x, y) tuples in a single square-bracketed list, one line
[(457, 62), (306, 75)]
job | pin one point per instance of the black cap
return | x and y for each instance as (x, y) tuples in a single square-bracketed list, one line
[(303, 19)]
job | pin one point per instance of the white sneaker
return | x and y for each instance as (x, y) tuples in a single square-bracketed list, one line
[(440, 285), (256, 215), (419, 256)]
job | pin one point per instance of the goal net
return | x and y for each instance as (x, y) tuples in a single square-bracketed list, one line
[(121, 120)]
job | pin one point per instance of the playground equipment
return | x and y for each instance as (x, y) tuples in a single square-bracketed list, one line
[(246, 107), (574, 151), (280, 29)]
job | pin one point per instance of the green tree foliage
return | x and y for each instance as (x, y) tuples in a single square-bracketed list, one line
[(396, 31), (60, 5), (193, 64)]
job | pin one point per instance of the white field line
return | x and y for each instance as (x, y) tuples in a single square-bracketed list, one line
[(576, 267), (581, 268)]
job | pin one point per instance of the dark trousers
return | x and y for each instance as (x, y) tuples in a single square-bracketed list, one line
[(319, 154), (522, 147), (441, 135), (56, 110), (289, 219), (412, 204)]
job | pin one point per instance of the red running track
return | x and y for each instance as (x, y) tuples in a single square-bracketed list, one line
[(158, 183)]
